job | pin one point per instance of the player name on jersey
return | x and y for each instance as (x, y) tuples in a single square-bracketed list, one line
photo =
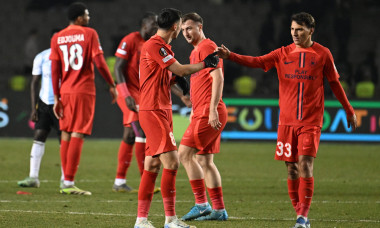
[(70, 38)]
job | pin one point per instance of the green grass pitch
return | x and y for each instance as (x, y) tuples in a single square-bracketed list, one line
[(347, 188)]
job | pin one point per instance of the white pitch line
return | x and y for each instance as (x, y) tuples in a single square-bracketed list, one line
[(187, 201), (161, 215), (186, 180)]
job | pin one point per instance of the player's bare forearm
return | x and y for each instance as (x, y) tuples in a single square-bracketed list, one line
[(216, 95), (217, 87), (34, 91), (187, 69), (120, 65)]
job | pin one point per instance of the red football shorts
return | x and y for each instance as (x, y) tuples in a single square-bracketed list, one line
[(200, 135), (128, 115), (78, 113), (158, 128), (293, 141)]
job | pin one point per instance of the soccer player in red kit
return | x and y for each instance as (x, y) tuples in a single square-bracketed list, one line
[(73, 51), (157, 63), (127, 78), (301, 67), (208, 118)]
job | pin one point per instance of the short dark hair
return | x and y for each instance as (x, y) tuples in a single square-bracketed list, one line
[(192, 16), (168, 17), (304, 19), (147, 16), (76, 10)]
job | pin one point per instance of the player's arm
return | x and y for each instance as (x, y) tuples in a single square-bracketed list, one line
[(216, 95), (211, 60), (265, 62), (101, 64), (55, 77), (179, 93), (121, 85), (339, 93), (34, 97)]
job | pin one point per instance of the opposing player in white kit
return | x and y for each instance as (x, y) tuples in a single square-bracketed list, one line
[(42, 114)]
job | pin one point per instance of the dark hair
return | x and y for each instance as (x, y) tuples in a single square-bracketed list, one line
[(76, 10), (147, 16), (192, 16), (168, 17), (304, 19)]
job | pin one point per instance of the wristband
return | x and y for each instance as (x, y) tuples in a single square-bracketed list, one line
[(123, 90)]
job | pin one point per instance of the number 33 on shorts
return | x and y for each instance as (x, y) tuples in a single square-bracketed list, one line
[(280, 149)]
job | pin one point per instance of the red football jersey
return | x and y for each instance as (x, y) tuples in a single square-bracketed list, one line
[(129, 49), (156, 56), (75, 47), (300, 72), (201, 82)]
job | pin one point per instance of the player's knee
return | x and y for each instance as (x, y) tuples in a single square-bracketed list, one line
[(153, 166), (129, 140), (173, 164), (41, 135)]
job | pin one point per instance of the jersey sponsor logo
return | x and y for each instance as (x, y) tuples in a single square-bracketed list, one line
[(70, 38), (163, 52), (167, 58), (288, 62)]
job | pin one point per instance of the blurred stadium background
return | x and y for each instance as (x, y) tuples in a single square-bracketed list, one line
[(349, 28)]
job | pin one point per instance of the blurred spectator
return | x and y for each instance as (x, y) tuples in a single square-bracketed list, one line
[(231, 72), (367, 70), (31, 49), (267, 35), (342, 27)]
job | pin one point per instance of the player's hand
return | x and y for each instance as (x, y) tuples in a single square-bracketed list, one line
[(58, 109), (213, 119), (34, 115), (113, 93), (223, 52), (211, 60), (351, 122), (186, 101), (131, 103), (182, 83)]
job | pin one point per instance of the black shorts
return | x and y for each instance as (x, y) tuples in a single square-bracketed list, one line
[(46, 117)]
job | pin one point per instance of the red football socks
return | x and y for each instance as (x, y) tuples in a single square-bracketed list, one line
[(305, 192), (216, 196), (124, 159), (168, 191), (63, 152), (145, 195), (199, 190), (73, 157), (293, 186), (140, 155)]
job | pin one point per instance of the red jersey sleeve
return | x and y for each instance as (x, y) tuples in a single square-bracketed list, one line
[(54, 55), (125, 48), (207, 49), (96, 47), (329, 69), (162, 54), (265, 62)]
